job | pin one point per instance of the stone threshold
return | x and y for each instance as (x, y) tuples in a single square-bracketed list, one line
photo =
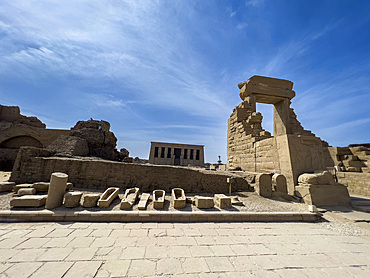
[(155, 216)]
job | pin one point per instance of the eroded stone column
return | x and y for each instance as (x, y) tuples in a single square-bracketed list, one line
[(57, 188)]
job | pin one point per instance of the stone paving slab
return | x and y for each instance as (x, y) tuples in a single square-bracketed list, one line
[(201, 249)]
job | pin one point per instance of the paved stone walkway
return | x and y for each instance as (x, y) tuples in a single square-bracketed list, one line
[(180, 250)]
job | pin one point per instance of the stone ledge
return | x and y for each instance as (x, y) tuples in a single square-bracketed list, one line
[(155, 216)]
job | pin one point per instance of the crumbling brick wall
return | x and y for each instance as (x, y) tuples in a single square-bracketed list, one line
[(100, 174)]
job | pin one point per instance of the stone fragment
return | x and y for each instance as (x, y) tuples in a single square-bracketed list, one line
[(26, 191), (236, 202), (264, 185), (28, 201), (203, 202), (129, 198), (222, 201), (158, 198), (178, 199), (57, 188), (279, 183), (41, 186), (316, 178), (108, 196), (143, 201), (19, 186), (6, 186), (90, 200), (72, 199)]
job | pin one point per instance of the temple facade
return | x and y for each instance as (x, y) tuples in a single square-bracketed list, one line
[(176, 154)]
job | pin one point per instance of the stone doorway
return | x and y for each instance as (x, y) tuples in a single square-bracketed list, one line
[(177, 156)]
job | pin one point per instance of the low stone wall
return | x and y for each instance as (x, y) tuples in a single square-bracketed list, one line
[(357, 183), (100, 174)]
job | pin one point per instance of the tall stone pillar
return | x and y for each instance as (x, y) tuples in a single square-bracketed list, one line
[(57, 189), (282, 123)]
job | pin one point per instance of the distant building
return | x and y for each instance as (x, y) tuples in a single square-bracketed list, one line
[(176, 154)]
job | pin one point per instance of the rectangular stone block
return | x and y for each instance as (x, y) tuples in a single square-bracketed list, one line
[(28, 201), (6, 186), (143, 201), (203, 202), (222, 201)]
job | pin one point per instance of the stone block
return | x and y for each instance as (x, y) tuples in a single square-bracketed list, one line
[(6, 186), (158, 198), (178, 199), (263, 185), (72, 199), (324, 195), (108, 196), (90, 200), (222, 201), (203, 202), (143, 201), (19, 186), (26, 191), (28, 201), (41, 186), (129, 198), (279, 183), (57, 188)]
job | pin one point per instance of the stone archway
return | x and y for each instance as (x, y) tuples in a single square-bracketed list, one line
[(19, 141)]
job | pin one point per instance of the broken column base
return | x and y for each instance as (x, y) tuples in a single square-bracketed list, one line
[(324, 195)]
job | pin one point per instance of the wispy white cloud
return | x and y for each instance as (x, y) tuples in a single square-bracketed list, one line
[(242, 26), (254, 3)]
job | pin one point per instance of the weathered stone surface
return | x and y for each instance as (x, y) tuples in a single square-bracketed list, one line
[(28, 201), (22, 185), (72, 199), (178, 199), (26, 191), (6, 186), (279, 183), (90, 200), (108, 196), (57, 188), (324, 195), (143, 201), (101, 142), (93, 174), (291, 151), (41, 186), (317, 178), (320, 189), (130, 197), (264, 185), (17, 130), (69, 146), (158, 198), (203, 202), (222, 201)]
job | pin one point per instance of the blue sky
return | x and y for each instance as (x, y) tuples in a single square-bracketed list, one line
[(168, 70)]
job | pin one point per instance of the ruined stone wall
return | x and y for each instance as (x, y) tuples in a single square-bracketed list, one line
[(100, 174), (357, 183), (291, 152), (267, 159)]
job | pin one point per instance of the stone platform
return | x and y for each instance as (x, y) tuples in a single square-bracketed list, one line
[(155, 216)]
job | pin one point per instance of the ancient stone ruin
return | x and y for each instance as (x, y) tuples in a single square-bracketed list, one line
[(291, 151), (17, 130)]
